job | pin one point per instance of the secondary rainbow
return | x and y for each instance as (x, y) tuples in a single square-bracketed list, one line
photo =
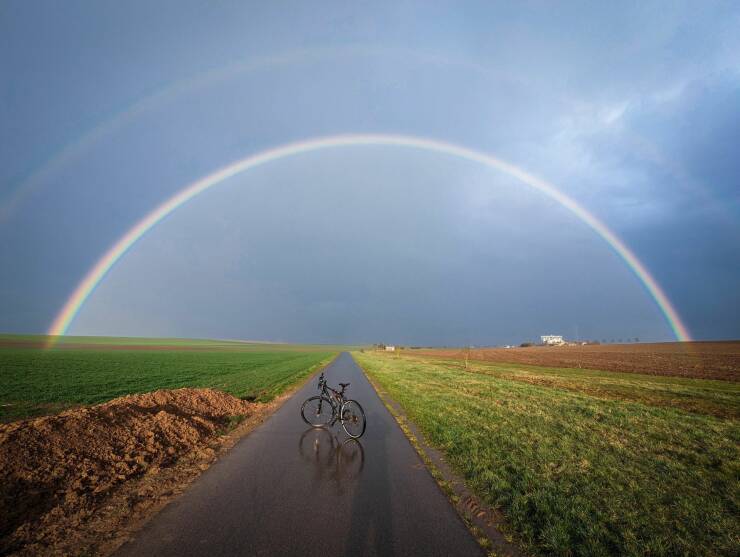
[(98, 272), (161, 97)]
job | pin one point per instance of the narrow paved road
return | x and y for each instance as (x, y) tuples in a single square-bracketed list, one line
[(288, 490)]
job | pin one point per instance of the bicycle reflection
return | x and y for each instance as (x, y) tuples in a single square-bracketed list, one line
[(334, 460)]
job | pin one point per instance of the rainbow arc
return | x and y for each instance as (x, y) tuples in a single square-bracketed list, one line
[(102, 267)]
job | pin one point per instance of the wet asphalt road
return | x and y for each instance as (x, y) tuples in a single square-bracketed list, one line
[(286, 489)]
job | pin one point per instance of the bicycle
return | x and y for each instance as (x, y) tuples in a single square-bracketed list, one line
[(330, 406)]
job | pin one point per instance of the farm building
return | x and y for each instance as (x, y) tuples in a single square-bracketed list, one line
[(390, 348), (552, 340)]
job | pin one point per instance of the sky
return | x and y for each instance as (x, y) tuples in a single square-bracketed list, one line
[(107, 109)]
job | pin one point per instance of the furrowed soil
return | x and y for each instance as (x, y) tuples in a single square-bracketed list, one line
[(707, 360), (75, 483)]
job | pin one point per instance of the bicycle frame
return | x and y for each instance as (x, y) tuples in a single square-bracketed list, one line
[(336, 398)]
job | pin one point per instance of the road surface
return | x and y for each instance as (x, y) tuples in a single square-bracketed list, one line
[(286, 489)]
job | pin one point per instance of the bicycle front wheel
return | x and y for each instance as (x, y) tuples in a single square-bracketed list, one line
[(317, 411), (317, 445), (352, 417)]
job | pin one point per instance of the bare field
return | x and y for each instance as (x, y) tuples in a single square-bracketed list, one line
[(706, 360)]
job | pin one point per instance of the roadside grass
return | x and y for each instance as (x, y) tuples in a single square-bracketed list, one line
[(575, 468), (35, 382), (232, 423)]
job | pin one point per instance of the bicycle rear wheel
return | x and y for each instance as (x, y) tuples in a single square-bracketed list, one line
[(350, 458), (317, 411), (352, 417)]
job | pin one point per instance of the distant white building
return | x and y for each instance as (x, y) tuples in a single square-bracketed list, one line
[(390, 348), (552, 340)]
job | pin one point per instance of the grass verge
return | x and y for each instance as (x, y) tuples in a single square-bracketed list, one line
[(576, 473)]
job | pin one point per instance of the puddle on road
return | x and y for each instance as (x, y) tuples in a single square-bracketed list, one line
[(334, 460)]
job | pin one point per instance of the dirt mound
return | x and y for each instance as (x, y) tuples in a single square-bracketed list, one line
[(62, 468)]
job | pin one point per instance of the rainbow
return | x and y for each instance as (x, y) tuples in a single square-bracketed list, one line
[(160, 97), (98, 272)]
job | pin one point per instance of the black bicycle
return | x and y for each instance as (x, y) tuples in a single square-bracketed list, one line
[(330, 406)]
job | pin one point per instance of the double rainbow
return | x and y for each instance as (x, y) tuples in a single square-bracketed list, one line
[(98, 272)]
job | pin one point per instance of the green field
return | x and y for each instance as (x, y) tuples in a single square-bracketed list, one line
[(189, 343), (119, 341), (583, 462), (34, 381)]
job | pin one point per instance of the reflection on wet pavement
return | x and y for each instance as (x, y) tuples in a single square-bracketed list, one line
[(335, 460)]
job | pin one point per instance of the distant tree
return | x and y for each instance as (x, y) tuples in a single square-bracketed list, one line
[(637, 339), (526, 344)]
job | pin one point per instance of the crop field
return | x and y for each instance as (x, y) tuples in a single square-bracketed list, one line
[(148, 343), (710, 360), (41, 340), (583, 462), (90, 370)]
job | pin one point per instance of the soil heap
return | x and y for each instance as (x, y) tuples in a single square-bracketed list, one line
[(57, 471)]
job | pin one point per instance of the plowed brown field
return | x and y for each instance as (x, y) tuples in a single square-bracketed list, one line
[(707, 360)]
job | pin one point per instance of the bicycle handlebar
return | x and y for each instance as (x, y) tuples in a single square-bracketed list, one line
[(323, 384)]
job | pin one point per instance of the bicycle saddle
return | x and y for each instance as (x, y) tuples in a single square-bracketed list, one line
[(344, 385)]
